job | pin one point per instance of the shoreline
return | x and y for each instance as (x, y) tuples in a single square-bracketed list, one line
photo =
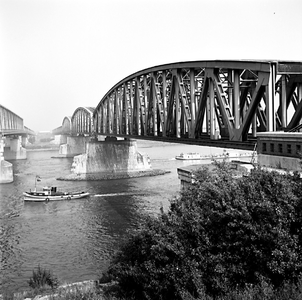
[(112, 176)]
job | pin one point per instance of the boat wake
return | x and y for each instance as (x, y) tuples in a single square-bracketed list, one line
[(116, 194)]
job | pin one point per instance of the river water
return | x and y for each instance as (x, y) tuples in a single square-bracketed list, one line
[(75, 239)]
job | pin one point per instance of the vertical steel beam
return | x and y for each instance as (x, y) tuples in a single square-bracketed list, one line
[(130, 111), (116, 111), (154, 102), (125, 107), (103, 118), (212, 109), (137, 105), (254, 126), (299, 92), (236, 99), (192, 103), (177, 107), (270, 99), (146, 104), (230, 88), (120, 110), (164, 103), (96, 122), (109, 113), (283, 101)]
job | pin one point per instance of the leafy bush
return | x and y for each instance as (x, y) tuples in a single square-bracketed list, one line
[(42, 278), (223, 234)]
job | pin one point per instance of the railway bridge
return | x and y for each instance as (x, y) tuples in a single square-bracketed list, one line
[(13, 136), (75, 132), (220, 103)]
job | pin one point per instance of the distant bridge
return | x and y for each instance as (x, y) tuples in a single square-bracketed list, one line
[(13, 136), (80, 123), (12, 124), (218, 103)]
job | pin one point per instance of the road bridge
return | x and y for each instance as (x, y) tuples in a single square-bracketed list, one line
[(13, 136)]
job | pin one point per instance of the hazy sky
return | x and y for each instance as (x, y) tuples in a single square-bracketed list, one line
[(57, 55)]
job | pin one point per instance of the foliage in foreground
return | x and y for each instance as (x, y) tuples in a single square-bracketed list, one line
[(223, 235), (42, 279)]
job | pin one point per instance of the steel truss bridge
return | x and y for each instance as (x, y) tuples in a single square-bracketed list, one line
[(12, 125), (80, 123), (218, 103)]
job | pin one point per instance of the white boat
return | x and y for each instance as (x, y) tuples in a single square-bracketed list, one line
[(189, 156), (51, 194), (225, 154)]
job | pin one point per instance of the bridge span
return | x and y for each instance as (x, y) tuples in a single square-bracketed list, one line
[(212, 103), (204, 102), (13, 136), (75, 131)]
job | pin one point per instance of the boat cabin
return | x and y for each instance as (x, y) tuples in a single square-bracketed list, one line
[(47, 190)]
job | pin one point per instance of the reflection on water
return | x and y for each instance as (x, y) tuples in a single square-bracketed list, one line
[(75, 239)]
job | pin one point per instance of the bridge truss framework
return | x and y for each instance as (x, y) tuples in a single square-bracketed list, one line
[(216, 100)]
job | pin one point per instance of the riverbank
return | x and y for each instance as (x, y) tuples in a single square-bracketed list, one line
[(112, 176), (79, 290)]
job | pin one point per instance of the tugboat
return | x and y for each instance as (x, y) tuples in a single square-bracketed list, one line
[(51, 194)]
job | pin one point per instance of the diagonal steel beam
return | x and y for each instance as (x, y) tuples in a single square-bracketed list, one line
[(240, 134)]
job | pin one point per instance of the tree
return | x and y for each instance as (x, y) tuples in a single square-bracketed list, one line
[(223, 232)]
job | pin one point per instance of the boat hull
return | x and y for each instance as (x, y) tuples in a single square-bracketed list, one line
[(46, 198), (194, 158)]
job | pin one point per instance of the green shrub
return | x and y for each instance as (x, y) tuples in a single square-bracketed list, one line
[(42, 278), (223, 234)]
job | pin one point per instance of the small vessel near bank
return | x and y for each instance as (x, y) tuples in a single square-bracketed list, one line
[(51, 194), (198, 156), (189, 156)]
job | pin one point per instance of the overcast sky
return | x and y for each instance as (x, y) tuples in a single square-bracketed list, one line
[(57, 55)]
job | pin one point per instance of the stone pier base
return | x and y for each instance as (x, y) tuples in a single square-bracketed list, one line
[(14, 155), (74, 146), (6, 172), (110, 156), (13, 149)]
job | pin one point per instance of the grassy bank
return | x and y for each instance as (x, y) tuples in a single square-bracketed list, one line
[(79, 290)]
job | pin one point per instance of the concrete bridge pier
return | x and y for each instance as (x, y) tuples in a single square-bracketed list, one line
[(74, 145), (63, 139), (24, 140), (13, 148), (111, 156), (60, 139), (6, 168)]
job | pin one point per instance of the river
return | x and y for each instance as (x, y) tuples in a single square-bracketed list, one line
[(75, 239)]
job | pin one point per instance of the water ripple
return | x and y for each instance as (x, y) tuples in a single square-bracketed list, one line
[(75, 239)]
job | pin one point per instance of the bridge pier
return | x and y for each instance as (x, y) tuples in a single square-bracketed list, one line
[(63, 139), (6, 168), (13, 148), (73, 146), (111, 156)]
